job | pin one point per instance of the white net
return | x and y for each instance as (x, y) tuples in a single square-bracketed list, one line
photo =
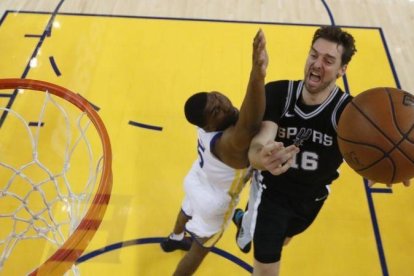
[(50, 161)]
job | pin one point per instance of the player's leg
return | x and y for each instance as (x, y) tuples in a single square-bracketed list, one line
[(205, 225), (264, 269), (179, 227), (270, 233), (246, 221), (305, 212), (177, 239), (192, 260), (206, 228)]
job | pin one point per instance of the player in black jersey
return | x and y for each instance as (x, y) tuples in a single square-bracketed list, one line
[(304, 113)]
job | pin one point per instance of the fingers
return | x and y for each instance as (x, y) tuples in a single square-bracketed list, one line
[(259, 39), (272, 146), (260, 57), (371, 183), (268, 155), (259, 42), (406, 183), (282, 168), (278, 159)]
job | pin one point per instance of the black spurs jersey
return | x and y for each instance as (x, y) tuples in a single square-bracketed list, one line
[(313, 129)]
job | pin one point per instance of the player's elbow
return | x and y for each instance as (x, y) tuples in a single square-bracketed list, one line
[(254, 156)]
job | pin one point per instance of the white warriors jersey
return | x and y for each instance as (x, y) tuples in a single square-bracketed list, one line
[(212, 190)]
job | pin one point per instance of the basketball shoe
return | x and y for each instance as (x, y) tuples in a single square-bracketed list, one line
[(169, 245), (237, 220)]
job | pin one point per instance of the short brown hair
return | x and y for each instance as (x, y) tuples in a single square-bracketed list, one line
[(337, 35)]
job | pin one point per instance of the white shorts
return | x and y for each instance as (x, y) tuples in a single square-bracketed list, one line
[(210, 209)]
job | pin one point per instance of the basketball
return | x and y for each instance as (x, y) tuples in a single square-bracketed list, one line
[(376, 137)]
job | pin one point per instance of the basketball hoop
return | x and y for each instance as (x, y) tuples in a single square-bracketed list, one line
[(48, 173)]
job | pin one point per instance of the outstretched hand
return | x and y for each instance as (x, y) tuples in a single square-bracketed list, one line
[(260, 57), (276, 158), (406, 183)]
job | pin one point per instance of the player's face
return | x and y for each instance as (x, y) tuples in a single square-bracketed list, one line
[(220, 112), (323, 65)]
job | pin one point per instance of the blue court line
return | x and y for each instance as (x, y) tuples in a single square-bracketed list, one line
[(157, 240), (346, 85), (380, 190), (32, 35), (394, 72), (329, 12), (54, 66), (375, 226), (145, 126), (35, 124)]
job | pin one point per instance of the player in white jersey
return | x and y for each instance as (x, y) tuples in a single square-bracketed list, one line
[(211, 182), (214, 182)]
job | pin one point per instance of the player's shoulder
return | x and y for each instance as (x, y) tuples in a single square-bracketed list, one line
[(278, 90), (208, 136), (281, 85), (341, 97), (344, 98), (346, 92)]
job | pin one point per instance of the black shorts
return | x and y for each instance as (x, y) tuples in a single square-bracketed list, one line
[(280, 217)]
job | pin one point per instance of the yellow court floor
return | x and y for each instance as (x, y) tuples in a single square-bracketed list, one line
[(138, 72)]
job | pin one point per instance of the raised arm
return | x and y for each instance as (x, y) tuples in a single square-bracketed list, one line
[(253, 106), (233, 145)]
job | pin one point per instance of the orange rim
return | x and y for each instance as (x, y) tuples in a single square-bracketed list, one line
[(74, 246)]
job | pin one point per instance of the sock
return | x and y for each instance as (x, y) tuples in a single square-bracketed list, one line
[(177, 237)]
